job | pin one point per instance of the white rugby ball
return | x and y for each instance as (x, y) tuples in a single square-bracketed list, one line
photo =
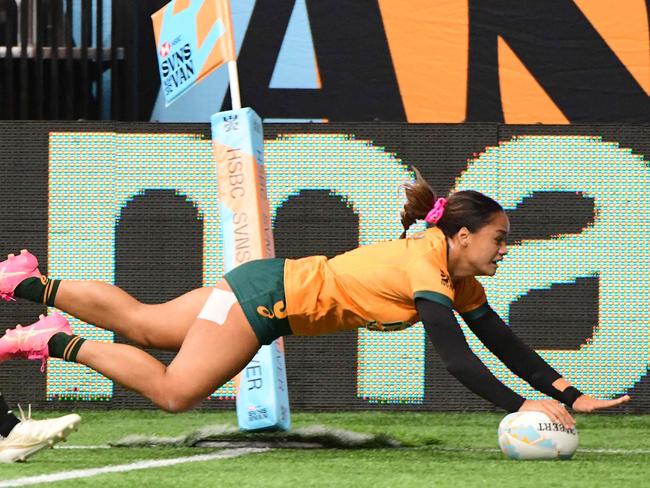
[(532, 435)]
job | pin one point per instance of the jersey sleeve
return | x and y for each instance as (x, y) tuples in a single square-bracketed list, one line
[(470, 300), (430, 280)]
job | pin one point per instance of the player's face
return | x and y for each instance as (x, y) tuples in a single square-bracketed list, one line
[(487, 246)]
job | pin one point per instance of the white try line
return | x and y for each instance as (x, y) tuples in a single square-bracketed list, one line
[(587, 450), (615, 451), (82, 446), (122, 468)]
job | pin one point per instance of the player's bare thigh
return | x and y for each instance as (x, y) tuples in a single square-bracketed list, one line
[(218, 345), (171, 321)]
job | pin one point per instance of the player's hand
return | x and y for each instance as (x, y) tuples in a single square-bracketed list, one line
[(554, 410), (586, 404)]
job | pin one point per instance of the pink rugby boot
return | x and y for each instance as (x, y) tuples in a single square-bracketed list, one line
[(31, 342), (16, 269)]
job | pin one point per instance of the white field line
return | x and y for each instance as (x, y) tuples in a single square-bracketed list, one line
[(81, 446), (122, 468), (588, 451), (616, 451)]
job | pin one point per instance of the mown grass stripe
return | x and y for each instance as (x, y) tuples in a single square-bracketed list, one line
[(434, 448)]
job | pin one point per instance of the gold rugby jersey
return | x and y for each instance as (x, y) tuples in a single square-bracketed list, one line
[(375, 286)]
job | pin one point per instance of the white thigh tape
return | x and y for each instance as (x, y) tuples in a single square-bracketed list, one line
[(217, 306)]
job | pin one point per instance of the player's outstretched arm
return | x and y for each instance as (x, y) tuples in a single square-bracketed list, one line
[(528, 365), (448, 339)]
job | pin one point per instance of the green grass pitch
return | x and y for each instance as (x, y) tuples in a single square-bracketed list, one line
[(455, 449)]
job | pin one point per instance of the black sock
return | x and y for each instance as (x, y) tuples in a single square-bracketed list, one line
[(64, 346), (7, 419), (7, 422), (39, 290), (4, 408)]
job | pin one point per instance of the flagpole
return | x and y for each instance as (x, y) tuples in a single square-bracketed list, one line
[(235, 97)]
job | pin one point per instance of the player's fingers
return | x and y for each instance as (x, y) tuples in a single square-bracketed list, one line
[(611, 403), (563, 416), (567, 420), (552, 412)]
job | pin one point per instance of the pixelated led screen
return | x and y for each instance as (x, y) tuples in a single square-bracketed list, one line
[(139, 208)]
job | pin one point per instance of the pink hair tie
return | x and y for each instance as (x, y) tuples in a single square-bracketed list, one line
[(435, 214)]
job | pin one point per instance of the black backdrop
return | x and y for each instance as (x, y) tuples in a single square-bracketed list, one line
[(322, 370)]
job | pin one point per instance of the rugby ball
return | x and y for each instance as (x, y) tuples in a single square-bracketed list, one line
[(532, 435)]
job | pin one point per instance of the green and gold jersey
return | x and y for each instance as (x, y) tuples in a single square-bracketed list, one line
[(375, 286)]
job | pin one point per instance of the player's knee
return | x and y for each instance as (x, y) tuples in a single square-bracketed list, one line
[(171, 406), (177, 401)]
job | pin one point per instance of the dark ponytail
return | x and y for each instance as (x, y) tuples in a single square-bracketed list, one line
[(467, 208), (419, 200)]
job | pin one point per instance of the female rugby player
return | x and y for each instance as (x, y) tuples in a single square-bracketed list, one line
[(384, 286)]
